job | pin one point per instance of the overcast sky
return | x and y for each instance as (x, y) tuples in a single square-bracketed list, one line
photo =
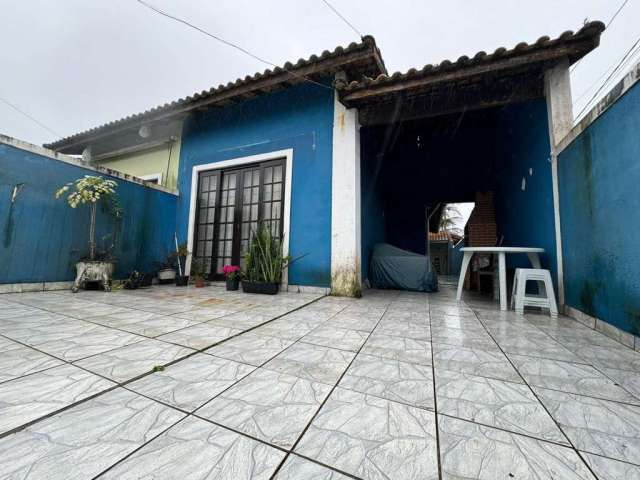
[(75, 64)]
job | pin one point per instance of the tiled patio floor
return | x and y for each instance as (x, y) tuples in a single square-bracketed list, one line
[(395, 385)]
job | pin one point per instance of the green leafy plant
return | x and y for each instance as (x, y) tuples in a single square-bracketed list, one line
[(91, 190), (173, 257), (265, 260), (199, 267)]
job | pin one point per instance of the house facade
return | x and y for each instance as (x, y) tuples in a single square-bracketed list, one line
[(311, 148)]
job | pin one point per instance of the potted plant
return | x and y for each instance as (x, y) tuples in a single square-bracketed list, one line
[(91, 190), (181, 257), (264, 263), (166, 271), (198, 271), (232, 276)]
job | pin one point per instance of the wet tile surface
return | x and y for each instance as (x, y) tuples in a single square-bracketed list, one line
[(398, 348), (370, 437), (495, 403), (128, 362), (298, 468), (18, 360), (28, 398), (486, 363), (255, 393), (596, 426), (191, 383), (571, 378), (251, 348), (313, 362), (196, 449), (268, 405), (607, 469), (200, 336), (403, 382), (471, 451), (334, 337), (86, 439)]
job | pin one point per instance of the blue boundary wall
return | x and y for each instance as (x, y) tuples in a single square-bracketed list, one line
[(525, 217), (298, 118), (599, 179), (41, 238)]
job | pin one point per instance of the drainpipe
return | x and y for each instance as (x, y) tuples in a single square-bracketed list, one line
[(557, 86)]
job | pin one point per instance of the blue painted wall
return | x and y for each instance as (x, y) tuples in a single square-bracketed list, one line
[(371, 199), (299, 117), (599, 178), (42, 238), (525, 217), (448, 159)]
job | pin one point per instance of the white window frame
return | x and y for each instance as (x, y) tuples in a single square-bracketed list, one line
[(287, 155), (152, 176)]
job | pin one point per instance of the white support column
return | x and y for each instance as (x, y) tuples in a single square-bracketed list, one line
[(560, 118), (346, 278)]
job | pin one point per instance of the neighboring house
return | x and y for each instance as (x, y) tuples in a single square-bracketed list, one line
[(444, 259), (157, 164), (340, 155)]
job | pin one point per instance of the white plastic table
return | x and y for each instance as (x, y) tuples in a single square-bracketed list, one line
[(532, 253)]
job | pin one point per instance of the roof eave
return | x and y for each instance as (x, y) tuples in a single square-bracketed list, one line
[(241, 89), (544, 52)]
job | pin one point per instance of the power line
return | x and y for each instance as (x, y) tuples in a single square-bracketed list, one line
[(615, 70), (33, 119), (607, 25), (334, 10), (226, 42), (597, 80), (617, 12)]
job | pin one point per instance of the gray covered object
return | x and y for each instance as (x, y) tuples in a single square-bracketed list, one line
[(399, 269)]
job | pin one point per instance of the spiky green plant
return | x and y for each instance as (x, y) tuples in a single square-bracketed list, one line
[(265, 260)]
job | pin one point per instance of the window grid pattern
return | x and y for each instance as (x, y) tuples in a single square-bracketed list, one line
[(232, 204), (250, 209), (223, 254), (207, 203), (273, 186)]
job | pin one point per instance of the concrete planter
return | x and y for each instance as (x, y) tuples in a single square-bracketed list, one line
[(93, 271), (166, 275)]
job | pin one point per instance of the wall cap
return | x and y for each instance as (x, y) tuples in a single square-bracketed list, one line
[(622, 87), (45, 152)]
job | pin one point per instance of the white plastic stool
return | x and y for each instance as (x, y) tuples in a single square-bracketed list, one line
[(546, 299)]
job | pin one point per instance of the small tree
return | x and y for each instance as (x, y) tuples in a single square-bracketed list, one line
[(89, 190), (450, 218)]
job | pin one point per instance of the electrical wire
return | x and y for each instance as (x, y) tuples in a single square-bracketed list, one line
[(343, 18), (607, 25), (228, 43), (629, 54), (33, 119)]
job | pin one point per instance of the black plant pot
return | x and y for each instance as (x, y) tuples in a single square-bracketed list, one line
[(146, 280), (232, 284), (260, 287), (182, 280)]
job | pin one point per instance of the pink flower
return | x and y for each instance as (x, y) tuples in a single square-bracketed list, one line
[(230, 269)]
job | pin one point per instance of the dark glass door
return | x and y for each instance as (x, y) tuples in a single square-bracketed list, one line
[(232, 203)]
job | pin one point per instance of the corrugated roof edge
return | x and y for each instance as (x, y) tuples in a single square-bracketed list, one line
[(367, 42), (589, 30)]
